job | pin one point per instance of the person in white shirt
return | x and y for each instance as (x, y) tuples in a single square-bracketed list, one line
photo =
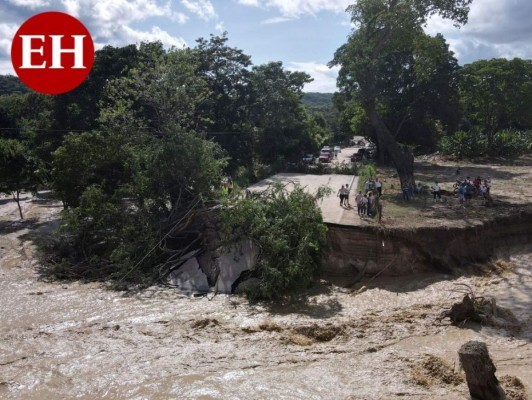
[(347, 190), (436, 191), (378, 186)]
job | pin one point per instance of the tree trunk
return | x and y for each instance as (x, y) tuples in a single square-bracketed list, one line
[(402, 157), (380, 150), (480, 371), (16, 196)]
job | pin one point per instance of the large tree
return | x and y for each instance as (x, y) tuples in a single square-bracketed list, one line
[(225, 70), (277, 112), (378, 58), (78, 109), (136, 190)]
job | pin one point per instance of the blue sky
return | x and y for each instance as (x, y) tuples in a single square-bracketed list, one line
[(303, 34)]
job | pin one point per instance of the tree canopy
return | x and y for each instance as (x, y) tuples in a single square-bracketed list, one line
[(497, 94), (146, 143), (388, 63)]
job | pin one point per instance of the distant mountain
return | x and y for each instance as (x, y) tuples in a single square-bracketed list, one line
[(10, 84), (317, 99)]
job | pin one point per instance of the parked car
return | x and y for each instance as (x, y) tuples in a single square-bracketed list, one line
[(325, 156), (358, 155), (308, 158)]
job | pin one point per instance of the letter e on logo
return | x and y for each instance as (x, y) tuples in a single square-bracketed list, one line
[(52, 52)]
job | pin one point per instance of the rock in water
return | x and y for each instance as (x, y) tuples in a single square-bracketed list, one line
[(480, 371)]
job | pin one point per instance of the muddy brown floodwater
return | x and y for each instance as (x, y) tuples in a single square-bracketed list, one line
[(74, 340)]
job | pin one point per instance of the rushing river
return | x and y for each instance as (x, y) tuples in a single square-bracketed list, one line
[(72, 340)]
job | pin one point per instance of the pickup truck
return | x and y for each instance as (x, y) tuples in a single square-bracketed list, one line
[(325, 156)]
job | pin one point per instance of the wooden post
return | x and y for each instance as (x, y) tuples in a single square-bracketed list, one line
[(480, 372)]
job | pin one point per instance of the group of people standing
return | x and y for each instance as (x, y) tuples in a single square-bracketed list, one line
[(368, 202), (466, 189), (469, 188)]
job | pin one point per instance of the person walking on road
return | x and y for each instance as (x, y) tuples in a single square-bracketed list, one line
[(341, 194)]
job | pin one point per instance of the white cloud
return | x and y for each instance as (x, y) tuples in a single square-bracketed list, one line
[(6, 68), (130, 35), (110, 22), (30, 3), (202, 8), (324, 77), (116, 22), (178, 17), (276, 20), (495, 29), (116, 11), (220, 27), (7, 31), (249, 2), (297, 8)]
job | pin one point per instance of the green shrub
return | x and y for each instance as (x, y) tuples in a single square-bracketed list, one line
[(261, 171), (472, 144), (511, 143), (288, 228), (131, 223), (464, 144)]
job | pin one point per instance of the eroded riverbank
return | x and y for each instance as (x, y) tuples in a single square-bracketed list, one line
[(65, 340)]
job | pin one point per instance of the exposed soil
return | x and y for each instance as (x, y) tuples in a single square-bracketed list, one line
[(65, 340)]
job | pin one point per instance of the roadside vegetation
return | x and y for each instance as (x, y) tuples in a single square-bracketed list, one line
[(287, 226)]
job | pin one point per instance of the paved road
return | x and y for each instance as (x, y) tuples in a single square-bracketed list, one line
[(330, 206)]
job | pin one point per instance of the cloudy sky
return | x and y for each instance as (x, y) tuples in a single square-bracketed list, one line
[(303, 34)]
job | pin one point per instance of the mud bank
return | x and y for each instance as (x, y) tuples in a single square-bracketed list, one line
[(357, 250)]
